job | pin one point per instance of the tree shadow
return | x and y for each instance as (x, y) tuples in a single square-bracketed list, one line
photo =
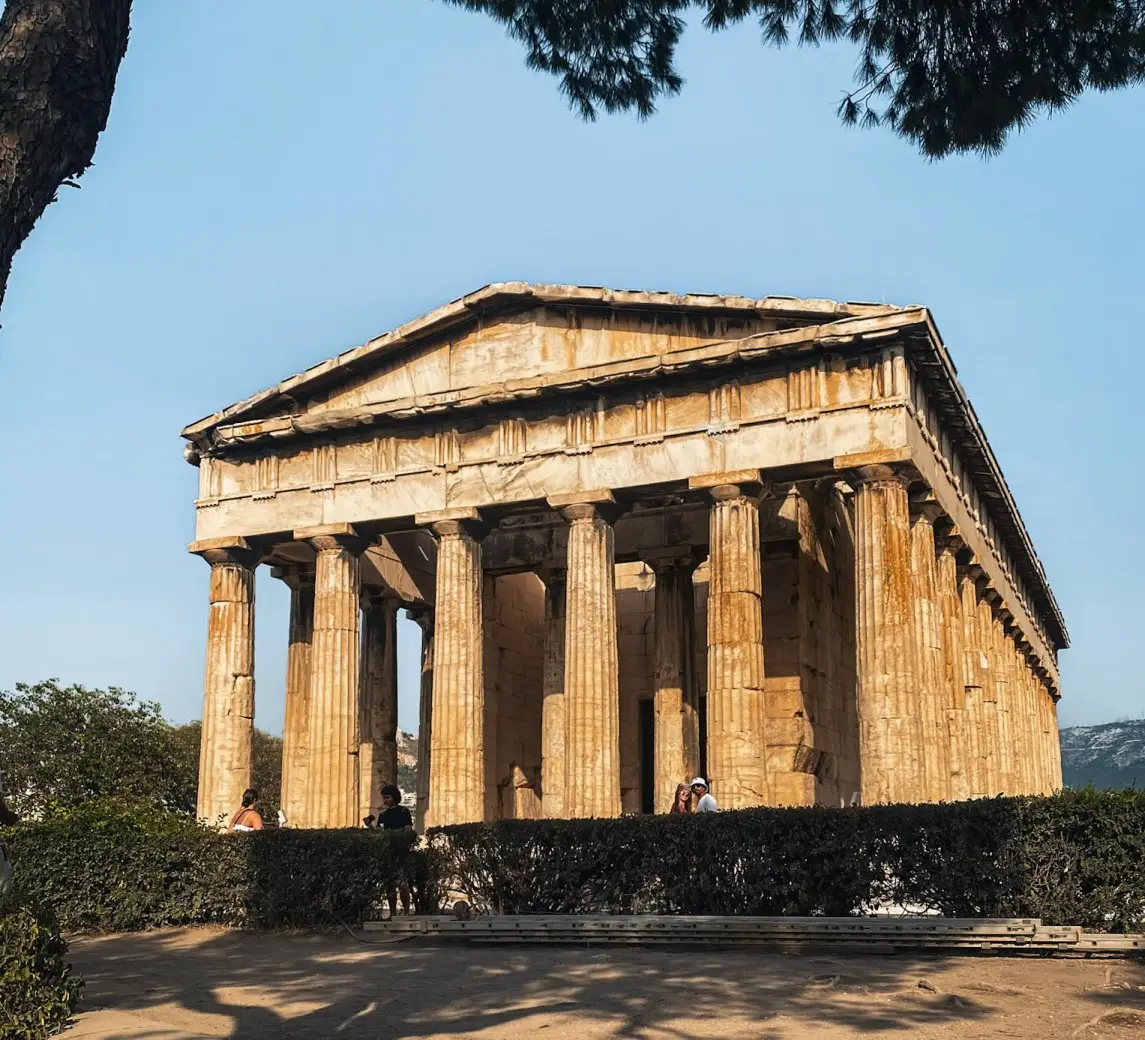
[(278, 985)]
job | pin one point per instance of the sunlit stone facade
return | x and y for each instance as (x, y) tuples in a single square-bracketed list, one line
[(645, 535)]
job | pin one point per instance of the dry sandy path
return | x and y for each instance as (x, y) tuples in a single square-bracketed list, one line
[(183, 983)]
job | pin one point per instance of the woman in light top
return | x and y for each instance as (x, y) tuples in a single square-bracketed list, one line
[(247, 818), (683, 800)]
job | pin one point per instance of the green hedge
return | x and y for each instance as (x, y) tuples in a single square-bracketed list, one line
[(37, 990), (108, 868), (1076, 858)]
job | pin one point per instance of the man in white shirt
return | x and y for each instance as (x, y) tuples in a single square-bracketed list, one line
[(705, 802)]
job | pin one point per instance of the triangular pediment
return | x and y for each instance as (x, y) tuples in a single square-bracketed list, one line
[(514, 334)]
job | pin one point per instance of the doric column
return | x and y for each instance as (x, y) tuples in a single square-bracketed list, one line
[(1055, 745), (890, 729), (737, 745), (1000, 666), (228, 683), (991, 732), (962, 750), (296, 724), (424, 618), (457, 734), (553, 694), (932, 690), (378, 700), (677, 726), (332, 771), (1023, 725), (592, 693)]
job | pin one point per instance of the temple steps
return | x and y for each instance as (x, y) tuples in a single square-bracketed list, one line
[(870, 934)]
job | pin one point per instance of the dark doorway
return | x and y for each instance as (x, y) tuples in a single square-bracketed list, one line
[(647, 747)]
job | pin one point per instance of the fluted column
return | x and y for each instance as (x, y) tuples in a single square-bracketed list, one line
[(737, 745), (932, 695), (677, 728), (296, 724), (228, 682), (1025, 726), (1055, 746), (974, 672), (332, 790), (553, 693), (378, 700), (424, 618), (890, 729), (592, 692), (962, 750), (992, 735), (457, 734), (999, 665)]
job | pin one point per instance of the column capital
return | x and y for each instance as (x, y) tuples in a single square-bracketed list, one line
[(372, 596), (552, 572), (883, 475), (949, 540), (236, 551), (327, 537), (924, 508), (296, 576), (453, 523), (671, 558), (422, 614), (729, 484), (586, 506)]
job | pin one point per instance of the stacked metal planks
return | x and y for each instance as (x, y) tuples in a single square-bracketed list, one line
[(1026, 935)]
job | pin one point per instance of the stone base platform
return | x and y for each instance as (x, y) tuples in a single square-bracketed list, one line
[(869, 934)]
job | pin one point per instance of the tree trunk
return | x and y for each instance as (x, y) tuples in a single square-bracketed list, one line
[(58, 62)]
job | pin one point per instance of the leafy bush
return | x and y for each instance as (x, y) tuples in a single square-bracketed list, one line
[(37, 990), (109, 867), (1076, 858)]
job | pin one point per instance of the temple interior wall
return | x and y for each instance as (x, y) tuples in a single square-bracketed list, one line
[(635, 639), (514, 615)]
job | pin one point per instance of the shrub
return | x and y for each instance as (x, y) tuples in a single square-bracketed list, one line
[(1076, 858), (37, 990), (110, 867)]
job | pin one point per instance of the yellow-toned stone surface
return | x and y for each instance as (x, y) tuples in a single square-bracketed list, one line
[(519, 467)]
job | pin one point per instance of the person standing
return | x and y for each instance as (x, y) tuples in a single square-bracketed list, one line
[(247, 818), (682, 803), (396, 818), (704, 801)]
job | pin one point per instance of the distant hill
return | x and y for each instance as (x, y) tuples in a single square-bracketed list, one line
[(407, 765), (1111, 756)]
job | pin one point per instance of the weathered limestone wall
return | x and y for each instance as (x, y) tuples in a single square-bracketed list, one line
[(514, 662), (635, 617)]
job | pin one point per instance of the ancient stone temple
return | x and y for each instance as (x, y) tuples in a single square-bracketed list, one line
[(645, 536)]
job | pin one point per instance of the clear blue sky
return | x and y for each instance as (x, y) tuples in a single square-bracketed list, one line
[(283, 181)]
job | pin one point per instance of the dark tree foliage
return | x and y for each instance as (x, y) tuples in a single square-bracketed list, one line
[(61, 746), (949, 75), (266, 767)]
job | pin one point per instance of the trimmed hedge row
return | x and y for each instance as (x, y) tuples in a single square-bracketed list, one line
[(106, 868), (37, 990), (1076, 858)]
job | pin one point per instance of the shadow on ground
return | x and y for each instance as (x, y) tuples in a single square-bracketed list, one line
[(198, 982)]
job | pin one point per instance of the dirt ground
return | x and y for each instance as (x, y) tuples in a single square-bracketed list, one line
[(183, 983)]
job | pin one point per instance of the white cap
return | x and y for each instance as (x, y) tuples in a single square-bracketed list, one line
[(698, 780)]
